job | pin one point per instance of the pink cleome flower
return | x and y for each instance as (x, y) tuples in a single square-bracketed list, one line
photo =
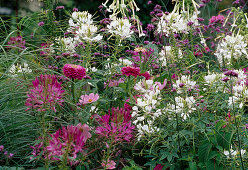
[(130, 71), (45, 93), (85, 99), (109, 165), (116, 125), (69, 140), (74, 71)]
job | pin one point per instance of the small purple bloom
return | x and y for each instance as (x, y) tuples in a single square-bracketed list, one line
[(11, 155), (225, 79), (231, 73), (75, 10), (60, 7), (40, 24), (1, 148)]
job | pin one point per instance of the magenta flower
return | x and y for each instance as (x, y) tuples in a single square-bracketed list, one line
[(40, 24), (1, 148), (130, 71), (60, 7), (74, 71), (10, 155), (217, 19), (109, 165), (16, 42), (85, 99), (69, 140), (117, 126), (146, 75), (45, 93), (158, 167)]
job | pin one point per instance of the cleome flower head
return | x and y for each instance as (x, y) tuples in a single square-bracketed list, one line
[(66, 142), (46, 91), (86, 99), (121, 27), (116, 125), (73, 71)]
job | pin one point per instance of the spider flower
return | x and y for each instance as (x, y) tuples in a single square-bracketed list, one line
[(45, 93), (85, 99), (74, 71), (116, 125), (70, 140), (66, 142)]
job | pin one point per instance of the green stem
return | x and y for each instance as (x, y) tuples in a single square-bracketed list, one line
[(73, 97), (236, 125)]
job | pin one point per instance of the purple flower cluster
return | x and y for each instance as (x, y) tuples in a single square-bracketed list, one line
[(16, 42)]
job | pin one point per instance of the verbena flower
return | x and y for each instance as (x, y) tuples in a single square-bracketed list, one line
[(86, 99), (16, 42), (116, 125), (74, 71), (45, 93)]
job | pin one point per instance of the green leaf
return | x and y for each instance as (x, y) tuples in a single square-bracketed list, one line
[(192, 165), (204, 150)]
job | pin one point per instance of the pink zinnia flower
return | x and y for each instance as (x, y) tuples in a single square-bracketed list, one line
[(146, 75), (117, 126), (85, 99), (109, 165), (45, 93), (130, 71), (74, 71)]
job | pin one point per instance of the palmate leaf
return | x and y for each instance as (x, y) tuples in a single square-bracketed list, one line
[(204, 151)]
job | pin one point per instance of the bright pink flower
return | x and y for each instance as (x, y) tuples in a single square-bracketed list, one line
[(40, 24), (1, 148), (10, 155), (68, 140), (160, 85), (158, 167), (146, 75), (60, 7), (130, 71), (45, 93), (74, 71), (16, 42), (110, 164), (113, 83), (217, 19), (85, 99), (116, 125)]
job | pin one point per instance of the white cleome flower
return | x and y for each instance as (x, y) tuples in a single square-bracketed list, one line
[(121, 27), (231, 47)]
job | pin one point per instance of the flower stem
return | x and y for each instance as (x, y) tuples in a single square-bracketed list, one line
[(236, 124)]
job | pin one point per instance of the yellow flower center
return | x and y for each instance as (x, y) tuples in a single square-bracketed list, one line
[(90, 100)]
